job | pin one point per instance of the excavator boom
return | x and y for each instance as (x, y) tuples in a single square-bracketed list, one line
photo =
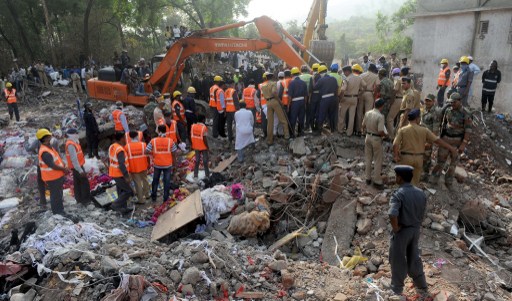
[(322, 49)]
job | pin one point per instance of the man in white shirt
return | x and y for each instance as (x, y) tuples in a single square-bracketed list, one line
[(244, 121)]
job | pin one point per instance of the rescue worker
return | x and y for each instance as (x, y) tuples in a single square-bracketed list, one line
[(76, 160), (10, 96), (308, 79), (315, 100), (350, 89), (244, 130), (298, 93), (394, 108), (327, 87), (158, 112), (92, 130), (232, 105), (248, 96), (75, 79), (149, 109), (409, 101), (138, 165), (261, 105), (119, 119), (490, 80), (190, 107), (52, 169), (374, 125), (127, 136), (443, 81), (455, 80), (431, 119), (409, 144), (406, 212), (465, 80), (334, 73), (385, 88), (217, 106), (198, 134), (118, 170), (178, 115), (283, 90), (369, 82), (455, 131), (269, 92), (162, 149)]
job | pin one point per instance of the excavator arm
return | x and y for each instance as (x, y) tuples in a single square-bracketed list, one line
[(316, 23), (272, 37)]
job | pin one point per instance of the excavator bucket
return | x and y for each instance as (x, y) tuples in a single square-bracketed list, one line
[(323, 50)]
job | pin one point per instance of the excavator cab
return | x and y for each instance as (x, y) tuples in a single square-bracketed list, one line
[(314, 36)]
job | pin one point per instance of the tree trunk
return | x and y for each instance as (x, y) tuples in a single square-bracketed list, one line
[(16, 18), (14, 52), (50, 32), (86, 27), (121, 33)]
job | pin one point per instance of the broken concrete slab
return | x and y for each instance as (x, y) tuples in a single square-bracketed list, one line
[(335, 188), (298, 147), (341, 224), (224, 164)]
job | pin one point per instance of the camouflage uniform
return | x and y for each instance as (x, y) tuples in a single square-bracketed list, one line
[(430, 119), (455, 123), (386, 93)]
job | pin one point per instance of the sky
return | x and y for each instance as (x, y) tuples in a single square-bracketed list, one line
[(287, 10)]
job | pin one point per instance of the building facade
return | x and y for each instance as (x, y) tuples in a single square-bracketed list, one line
[(451, 29)]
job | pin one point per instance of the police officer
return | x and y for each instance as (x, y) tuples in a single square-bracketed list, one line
[(370, 80), (315, 99), (431, 119), (298, 93), (269, 92), (327, 87), (308, 79), (409, 101), (394, 108), (456, 128), (409, 144), (373, 124), (350, 90), (406, 212)]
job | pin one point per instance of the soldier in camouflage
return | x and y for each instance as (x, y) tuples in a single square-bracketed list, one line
[(456, 128), (431, 119), (386, 91)]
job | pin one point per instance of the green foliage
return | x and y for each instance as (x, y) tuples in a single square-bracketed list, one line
[(353, 36)]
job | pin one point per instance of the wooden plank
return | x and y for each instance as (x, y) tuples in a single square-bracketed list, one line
[(183, 213), (224, 164), (251, 295)]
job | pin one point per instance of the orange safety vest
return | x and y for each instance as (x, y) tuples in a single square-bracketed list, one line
[(136, 158), (113, 169), (230, 103), (213, 100), (129, 139), (456, 79), (116, 115), (79, 153), (47, 173), (182, 110), (263, 101), (10, 95), (162, 151), (197, 133), (248, 96), (442, 77), (170, 131), (285, 83)]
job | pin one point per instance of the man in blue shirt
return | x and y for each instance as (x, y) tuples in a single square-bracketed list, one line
[(297, 93), (327, 87)]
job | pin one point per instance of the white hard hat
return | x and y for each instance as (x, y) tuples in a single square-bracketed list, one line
[(280, 74), (470, 57)]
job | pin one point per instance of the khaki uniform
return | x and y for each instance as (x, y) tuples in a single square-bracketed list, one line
[(351, 88), (42, 75), (394, 108), (409, 101), (373, 122), (395, 63), (369, 81), (77, 86), (431, 120), (411, 141), (273, 105), (456, 123)]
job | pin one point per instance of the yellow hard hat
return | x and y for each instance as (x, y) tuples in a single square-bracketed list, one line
[(315, 66), (357, 67), (41, 133), (464, 59), (176, 93), (217, 78), (295, 70), (444, 61), (191, 90), (322, 68), (265, 75), (8, 85)]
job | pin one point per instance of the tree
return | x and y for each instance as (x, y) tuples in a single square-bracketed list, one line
[(293, 28), (207, 13), (86, 26)]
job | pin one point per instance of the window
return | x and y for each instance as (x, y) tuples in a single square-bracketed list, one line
[(484, 27)]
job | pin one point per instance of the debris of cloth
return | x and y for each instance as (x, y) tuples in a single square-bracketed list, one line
[(351, 262), (131, 288), (250, 224), (216, 200)]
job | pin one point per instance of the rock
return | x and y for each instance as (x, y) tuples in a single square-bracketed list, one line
[(489, 297), (340, 297), (287, 279), (175, 276), (382, 198), (376, 260), (364, 226), (321, 227), (460, 174), (457, 253), (313, 234), (508, 265), (335, 189), (437, 226), (303, 241), (109, 265), (191, 276), (371, 267), (365, 200), (438, 218), (187, 290), (199, 258), (473, 212), (445, 296), (279, 195), (360, 271), (258, 175), (267, 182), (298, 146), (300, 295), (278, 265)]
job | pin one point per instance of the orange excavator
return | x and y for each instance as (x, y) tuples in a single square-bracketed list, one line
[(166, 77)]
